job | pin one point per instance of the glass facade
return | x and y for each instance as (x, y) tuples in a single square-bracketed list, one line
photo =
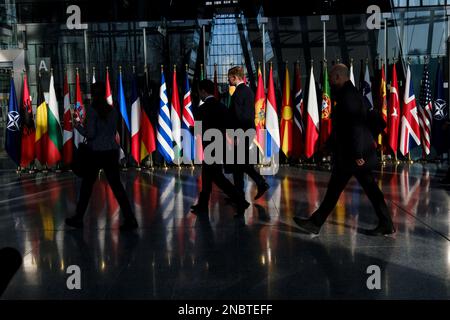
[(415, 29)]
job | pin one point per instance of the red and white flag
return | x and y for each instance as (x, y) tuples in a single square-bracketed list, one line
[(67, 126), (312, 119)]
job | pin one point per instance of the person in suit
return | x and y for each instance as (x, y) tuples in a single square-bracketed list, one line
[(242, 116), (100, 133), (354, 154), (213, 115)]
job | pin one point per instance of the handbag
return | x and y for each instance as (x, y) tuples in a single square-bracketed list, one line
[(82, 160)]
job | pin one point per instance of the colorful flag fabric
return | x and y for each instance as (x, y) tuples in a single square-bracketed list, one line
[(12, 136), (394, 112), (366, 88), (312, 119), (260, 112), (298, 129), (41, 141), (109, 101), (54, 127), (135, 121), (352, 76), (440, 115), (383, 106), (175, 116), (286, 117), (79, 110), (148, 144), (425, 111), (410, 128), (125, 127), (188, 122), (272, 127), (164, 134), (28, 151), (325, 125)]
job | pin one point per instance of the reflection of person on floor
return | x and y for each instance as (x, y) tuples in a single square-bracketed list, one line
[(213, 115), (100, 133), (10, 261), (242, 116), (354, 154)]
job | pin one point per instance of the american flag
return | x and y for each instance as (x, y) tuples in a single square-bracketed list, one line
[(425, 111)]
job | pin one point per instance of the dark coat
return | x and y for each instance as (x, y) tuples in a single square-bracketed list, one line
[(351, 137), (242, 108), (213, 114)]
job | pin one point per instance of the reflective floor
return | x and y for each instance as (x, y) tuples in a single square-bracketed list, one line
[(176, 255)]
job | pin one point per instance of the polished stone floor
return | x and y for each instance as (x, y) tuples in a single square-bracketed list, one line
[(177, 255)]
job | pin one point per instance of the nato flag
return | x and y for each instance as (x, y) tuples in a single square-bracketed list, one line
[(440, 115), (12, 139)]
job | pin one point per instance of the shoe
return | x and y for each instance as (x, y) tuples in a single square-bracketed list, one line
[(241, 209), (75, 222), (381, 230), (129, 224), (307, 225), (261, 190)]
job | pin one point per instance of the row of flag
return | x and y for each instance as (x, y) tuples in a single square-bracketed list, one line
[(302, 130), (297, 130), (44, 139)]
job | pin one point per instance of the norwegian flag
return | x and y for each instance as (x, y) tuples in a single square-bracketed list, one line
[(425, 111), (410, 128)]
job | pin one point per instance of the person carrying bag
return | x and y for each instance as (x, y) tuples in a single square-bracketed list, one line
[(99, 151)]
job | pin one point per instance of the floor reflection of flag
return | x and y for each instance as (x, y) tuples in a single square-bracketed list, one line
[(190, 192), (410, 194), (423, 207), (276, 200), (179, 216), (340, 214), (137, 198), (313, 192), (395, 195), (286, 189)]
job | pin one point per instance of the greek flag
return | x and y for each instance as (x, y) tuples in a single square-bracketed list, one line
[(164, 132)]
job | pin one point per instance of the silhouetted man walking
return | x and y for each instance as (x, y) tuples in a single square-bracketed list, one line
[(213, 115), (242, 116), (354, 154)]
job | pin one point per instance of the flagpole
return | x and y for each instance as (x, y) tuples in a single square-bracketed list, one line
[(409, 151), (86, 57), (193, 136), (314, 155), (324, 19), (380, 137), (178, 147), (138, 167), (264, 52), (12, 77), (145, 47), (204, 49)]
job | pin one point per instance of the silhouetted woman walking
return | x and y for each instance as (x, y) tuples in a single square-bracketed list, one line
[(100, 133)]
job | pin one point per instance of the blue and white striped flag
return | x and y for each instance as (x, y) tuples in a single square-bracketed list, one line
[(164, 133)]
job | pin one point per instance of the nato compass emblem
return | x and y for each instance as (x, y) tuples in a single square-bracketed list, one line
[(440, 110), (13, 121)]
